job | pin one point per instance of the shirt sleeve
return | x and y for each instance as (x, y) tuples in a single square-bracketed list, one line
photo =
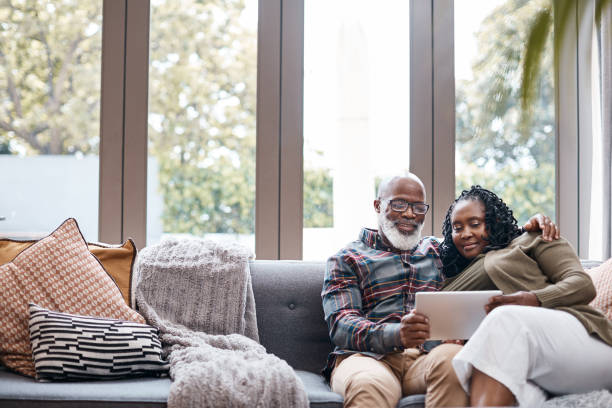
[(570, 284), (348, 328)]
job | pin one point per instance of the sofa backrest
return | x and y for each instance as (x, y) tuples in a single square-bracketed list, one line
[(290, 314), (289, 311)]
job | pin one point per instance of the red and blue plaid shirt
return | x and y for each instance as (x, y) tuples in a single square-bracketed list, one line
[(369, 286)]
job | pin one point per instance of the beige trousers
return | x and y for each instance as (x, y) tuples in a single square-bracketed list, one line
[(366, 382)]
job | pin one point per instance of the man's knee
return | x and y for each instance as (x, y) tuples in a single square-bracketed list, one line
[(372, 384), (441, 358), (370, 389), (443, 386)]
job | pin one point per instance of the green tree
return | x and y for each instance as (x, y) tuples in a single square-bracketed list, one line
[(499, 151), (202, 84), (50, 76), (318, 199)]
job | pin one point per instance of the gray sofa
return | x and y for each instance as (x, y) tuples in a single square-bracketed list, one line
[(290, 321)]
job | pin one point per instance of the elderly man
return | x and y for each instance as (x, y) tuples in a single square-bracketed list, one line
[(368, 296)]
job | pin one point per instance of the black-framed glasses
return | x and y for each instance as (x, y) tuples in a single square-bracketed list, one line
[(402, 205)]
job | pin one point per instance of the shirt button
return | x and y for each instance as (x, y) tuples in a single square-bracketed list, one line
[(291, 306)]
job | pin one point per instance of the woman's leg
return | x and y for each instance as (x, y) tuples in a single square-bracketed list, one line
[(488, 392), (506, 348), (532, 349)]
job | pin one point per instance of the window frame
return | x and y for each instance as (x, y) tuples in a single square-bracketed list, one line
[(279, 151)]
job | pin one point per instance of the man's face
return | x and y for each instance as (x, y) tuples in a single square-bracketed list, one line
[(401, 230)]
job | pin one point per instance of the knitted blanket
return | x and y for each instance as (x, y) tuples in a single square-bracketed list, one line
[(198, 294), (593, 399)]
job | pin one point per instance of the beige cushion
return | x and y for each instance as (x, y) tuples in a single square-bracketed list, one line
[(117, 260), (58, 273), (602, 279)]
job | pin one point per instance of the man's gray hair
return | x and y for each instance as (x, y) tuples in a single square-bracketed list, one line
[(384, 183)]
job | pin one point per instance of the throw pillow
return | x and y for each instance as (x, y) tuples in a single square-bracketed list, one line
[(71, 347), (117, 260), (59, 273), (602, 279)]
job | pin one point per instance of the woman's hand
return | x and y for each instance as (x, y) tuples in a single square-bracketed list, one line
[(518, 298)]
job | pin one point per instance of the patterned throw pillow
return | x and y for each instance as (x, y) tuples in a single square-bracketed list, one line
[(58, 273), (602, 279), (72, 347), (117, 260)]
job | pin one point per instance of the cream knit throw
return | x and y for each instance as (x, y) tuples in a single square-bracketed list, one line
[(198, 294)]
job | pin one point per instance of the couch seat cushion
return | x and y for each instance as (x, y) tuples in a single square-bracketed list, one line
[(20, 391), (318, 391), (321, 396)]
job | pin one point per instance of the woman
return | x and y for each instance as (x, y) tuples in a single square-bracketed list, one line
[(546, 339)]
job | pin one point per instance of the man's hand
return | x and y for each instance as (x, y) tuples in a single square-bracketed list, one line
[(543, 223), (414, 329), (518, 298), (459, 342)]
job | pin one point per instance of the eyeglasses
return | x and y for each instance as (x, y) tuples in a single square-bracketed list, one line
[(402, 205)]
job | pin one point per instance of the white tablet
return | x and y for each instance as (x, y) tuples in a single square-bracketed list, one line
[(453, 315)]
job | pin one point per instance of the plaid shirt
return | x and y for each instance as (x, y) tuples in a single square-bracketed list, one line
[(369, 286)]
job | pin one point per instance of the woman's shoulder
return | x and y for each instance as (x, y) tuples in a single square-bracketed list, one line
[(533, 241)]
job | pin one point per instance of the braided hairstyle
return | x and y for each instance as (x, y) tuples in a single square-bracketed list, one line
[(500, 224)]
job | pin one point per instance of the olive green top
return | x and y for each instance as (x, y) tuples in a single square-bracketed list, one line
[(550, 270)]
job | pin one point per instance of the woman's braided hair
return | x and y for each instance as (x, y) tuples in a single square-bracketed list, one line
[(500, 224)]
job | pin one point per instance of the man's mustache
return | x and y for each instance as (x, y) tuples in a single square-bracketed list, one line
[(414, 223)]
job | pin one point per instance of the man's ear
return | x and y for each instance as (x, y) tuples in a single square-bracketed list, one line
[(377, 205)]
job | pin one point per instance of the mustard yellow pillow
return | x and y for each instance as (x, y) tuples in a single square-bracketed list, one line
[(58, 273), (117, 260)]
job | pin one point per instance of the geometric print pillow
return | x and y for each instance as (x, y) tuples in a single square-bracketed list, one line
[(59, 273), (72, 347)]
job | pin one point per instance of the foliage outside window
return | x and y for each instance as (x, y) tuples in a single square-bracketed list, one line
[(494, 149), (49, 63)]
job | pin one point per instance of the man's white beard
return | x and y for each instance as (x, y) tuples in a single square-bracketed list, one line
[(398, 239)]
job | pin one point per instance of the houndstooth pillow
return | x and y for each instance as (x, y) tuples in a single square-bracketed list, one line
[(70, 347)]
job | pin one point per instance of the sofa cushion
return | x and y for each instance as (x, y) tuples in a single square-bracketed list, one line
[(68, 347), (602, 280), (117, 260), (58, 272), (289, 312), (19, 391), (319, 393)]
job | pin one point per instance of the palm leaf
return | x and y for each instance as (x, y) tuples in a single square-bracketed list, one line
[(532, 60), (558, 12)]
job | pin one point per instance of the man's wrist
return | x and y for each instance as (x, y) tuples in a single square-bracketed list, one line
[(392, 340)]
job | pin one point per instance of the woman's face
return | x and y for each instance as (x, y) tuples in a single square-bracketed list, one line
[(468, 225)]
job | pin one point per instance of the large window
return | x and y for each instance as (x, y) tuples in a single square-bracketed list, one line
[(50, 60), (356, 115), (314, 101), (494, 147), (202, 82)]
